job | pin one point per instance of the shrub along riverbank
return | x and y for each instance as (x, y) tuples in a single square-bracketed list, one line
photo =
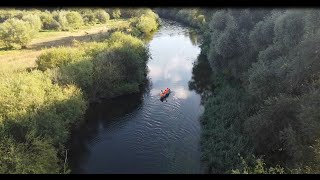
[(38, 108)]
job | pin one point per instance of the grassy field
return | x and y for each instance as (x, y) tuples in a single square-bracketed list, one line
[(17, 60)]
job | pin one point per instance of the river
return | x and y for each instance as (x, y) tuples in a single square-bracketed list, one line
[(139, 133)]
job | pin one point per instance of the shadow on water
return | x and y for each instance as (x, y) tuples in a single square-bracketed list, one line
[(202, 81), (98, 117)]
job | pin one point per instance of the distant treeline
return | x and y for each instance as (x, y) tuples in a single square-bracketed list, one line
[(192, 17), (19, 27)]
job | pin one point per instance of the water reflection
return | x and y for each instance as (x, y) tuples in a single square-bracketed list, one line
[(139, 133), (201, 80), (194, 37), (173, 66), (182, 92), (95, 123)]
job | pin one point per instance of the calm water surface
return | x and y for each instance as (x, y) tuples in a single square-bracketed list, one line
[(139, 133)]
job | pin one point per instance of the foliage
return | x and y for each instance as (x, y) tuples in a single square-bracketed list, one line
[(16, 32), (272, 109), (74, 20), (102, 16), (36, 116), (39, 107), (147, 24), (116, 13), (257, 166), (34, 21), (123, 62), (57, 57), (48, 22)]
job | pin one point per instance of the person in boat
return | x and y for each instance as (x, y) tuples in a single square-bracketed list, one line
[(165, 91), (164, 94)]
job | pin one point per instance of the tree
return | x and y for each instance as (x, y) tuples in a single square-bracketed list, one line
[(16, 32), (48, 22), (102, 16), (289, 29), (146, 24), (220, 20), (34, 21), (88, 16), (60, 17), (37, 115), (262, 34), (116, 13), (74, 20), (311, 18)]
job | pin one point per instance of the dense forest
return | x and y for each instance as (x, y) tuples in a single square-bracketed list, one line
[(263, 114), (40, 105)]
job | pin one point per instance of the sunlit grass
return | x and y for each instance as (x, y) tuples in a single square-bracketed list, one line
[(20, 59)]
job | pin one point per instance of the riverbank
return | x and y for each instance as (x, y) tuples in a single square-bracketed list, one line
[(38, 107), (264, 75)]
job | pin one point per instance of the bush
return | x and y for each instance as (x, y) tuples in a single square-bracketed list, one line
[(124, 61), (105, 69), (16, 32), (48, 22), (34, 21), (68, 20), (73, 65), (116, 13), (257, 166), (223, 138), (7, 13), (58, 57), (92, 49), (35, 157), (147, 24), (89, 17), (201, 20), (60, 17), (79, 73), (102, 16), (74, 20), (130, 12), (36, 117), (136, 45)]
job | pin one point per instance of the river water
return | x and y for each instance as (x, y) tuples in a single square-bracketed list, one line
[(139, 133)]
